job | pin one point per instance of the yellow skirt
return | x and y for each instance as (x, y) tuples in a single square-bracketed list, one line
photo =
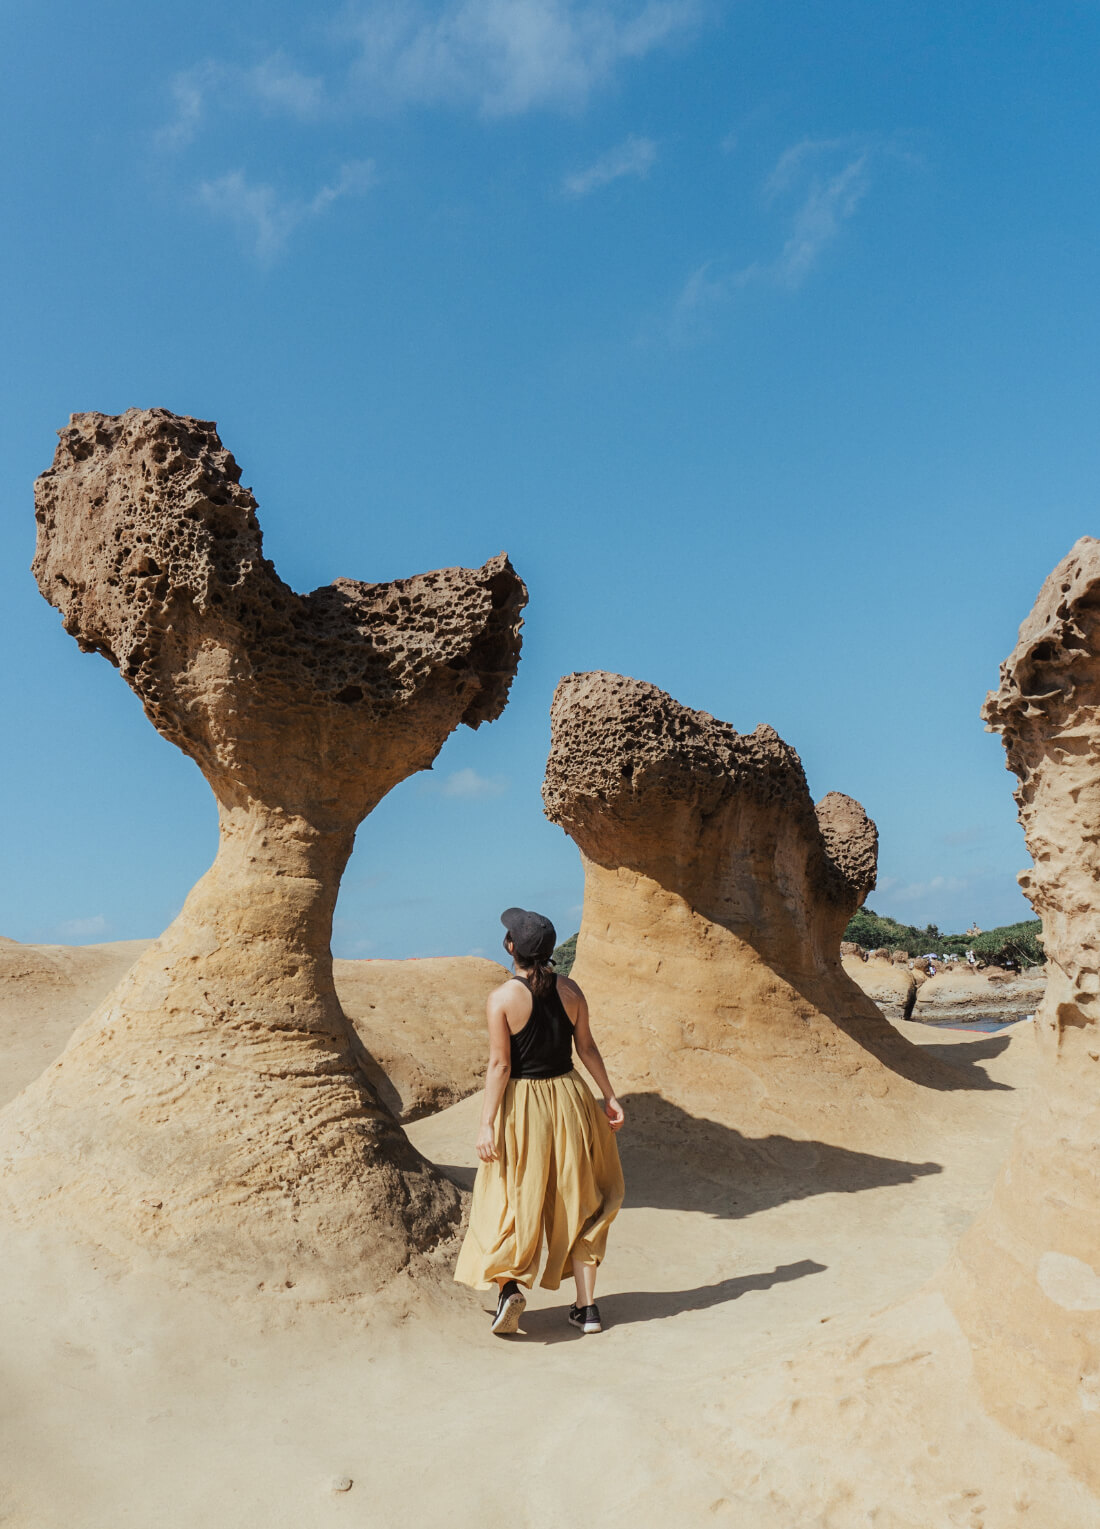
[(557, 1172)]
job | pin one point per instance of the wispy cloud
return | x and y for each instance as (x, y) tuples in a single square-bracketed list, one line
[(468, 785), (917, 891), (829, 203), (635, 156), (264, 218), (274, 84), (81, 928), (281, 85), (504, 56), (823, 181), (188, 94)]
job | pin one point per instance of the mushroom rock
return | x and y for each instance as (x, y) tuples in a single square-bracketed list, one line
[(716, 896), (1025, 1281), (212, 1107)]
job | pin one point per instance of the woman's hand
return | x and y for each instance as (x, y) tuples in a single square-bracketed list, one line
[(614, 1112), (486, 1144)]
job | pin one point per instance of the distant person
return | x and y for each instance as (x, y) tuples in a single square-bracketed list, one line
[(549, 1163), (971, 958)]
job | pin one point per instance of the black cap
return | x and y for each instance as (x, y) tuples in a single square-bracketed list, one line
[(533, 937)]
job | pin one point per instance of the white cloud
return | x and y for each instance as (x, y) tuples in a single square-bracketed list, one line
[(274, 84), (468, 785), (264, 218), (828, 194), (81, 928), (915, 891), (503, 56), (828, 204), (189, 92), (280, 85), (635, 156)]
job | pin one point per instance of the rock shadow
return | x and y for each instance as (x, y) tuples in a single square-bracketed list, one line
[(673, 1160), (966, 1054), (877, 1036)]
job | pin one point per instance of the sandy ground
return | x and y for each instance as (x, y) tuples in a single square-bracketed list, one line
[(127, 1400)]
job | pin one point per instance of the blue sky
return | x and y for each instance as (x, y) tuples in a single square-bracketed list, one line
[(762, 336)]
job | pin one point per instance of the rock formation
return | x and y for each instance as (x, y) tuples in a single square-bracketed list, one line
[(1025, 1283), (716, 895), (892, 988), (212, 1106)]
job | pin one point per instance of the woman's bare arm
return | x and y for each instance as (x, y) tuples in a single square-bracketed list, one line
[(576, 1006), (497, 1074)]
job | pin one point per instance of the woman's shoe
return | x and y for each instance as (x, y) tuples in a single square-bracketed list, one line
[(587, 1318), (509, 1308)]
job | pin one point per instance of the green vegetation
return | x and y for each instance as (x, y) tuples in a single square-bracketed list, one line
[(565, 955), (1021, 943)]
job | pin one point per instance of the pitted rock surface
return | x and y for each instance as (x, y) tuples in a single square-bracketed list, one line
[(214, 1109), (716, 895), (149, 546)]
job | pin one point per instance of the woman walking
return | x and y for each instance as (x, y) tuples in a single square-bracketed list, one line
[(549, 1163)]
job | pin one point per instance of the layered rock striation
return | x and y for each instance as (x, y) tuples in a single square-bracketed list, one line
[(212, 1106), (1025, 1282), (716, 895)]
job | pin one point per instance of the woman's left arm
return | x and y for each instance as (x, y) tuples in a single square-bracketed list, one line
[(497, 1074)]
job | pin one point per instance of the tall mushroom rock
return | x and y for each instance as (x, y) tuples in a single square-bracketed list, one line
[(716, 895), (212, 1106), (1025, 1281)]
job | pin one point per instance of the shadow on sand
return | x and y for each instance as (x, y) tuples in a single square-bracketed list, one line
[(676, 1161), (629, 1306)]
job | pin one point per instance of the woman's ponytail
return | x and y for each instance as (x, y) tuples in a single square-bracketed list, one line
[(543, 979)]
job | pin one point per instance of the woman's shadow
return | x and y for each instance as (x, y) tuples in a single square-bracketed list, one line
[(630, 1306)]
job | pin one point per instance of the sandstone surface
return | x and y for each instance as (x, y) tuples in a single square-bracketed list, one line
[(716, 895), (418, 1027), (1037, 1347), (45, 992), (892, 987), (421, 1027), (212, 1108)]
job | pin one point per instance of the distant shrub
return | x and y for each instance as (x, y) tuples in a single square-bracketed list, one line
[(564, 956), (1020, 943)]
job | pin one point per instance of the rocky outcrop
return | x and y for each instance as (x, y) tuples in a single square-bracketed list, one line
[(957, 995), (212, 1107), (891, 987), (1026, 1280), (716, 896)]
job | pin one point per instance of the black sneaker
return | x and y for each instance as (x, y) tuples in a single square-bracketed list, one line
[(509, 1308), (587, 1318)]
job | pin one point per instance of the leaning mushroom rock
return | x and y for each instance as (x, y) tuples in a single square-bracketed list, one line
[(716, 895), (212, 1108), (1025, 1282)]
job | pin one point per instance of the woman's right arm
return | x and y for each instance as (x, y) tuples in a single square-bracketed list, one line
[(497, 1074), (589, 1053)]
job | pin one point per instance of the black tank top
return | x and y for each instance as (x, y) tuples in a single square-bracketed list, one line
[(544, 1047)]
